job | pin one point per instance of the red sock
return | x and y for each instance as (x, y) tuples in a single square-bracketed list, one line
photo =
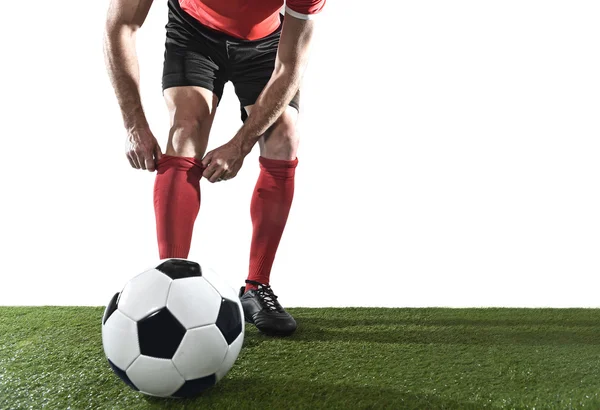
[(176, 204), (269, 209)]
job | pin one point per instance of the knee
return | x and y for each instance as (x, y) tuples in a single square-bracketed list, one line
[(185, 128), (185, 137), (281, 142)]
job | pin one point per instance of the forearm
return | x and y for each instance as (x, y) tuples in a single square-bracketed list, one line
[(292, 59), (270, 105), (123, 70)]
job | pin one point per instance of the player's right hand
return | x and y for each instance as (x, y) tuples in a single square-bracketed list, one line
[(142, 149)]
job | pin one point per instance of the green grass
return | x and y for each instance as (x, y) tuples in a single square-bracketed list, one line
[(51, 357)]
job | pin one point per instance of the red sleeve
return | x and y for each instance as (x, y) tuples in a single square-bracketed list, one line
[(304, 9)]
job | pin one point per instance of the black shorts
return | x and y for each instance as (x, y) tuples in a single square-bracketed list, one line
[(196, 55)]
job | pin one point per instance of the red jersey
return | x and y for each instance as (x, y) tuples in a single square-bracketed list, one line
[(248, 19)]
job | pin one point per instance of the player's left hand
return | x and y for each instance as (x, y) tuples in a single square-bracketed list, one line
[(223, 163)]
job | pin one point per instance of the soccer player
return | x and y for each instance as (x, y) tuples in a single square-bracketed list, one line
[(208, 43)]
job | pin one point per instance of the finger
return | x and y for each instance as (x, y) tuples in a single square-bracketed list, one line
[(232, 172), (207, 158), (150, 164), (216, 175), (210, 171), (134, 159), (130, 161), (157, 152), (141, 160)]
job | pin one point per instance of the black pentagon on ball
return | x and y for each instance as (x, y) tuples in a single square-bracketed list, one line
[(179, 268), (160, 334), (110, 309), (229, 320), (122, 375), (194, 387)]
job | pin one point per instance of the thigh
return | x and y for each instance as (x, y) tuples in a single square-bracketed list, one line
[(192, 111), (252, 65), (194, 55)]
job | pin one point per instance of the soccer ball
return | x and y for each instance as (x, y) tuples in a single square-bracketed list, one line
[(174, 331)]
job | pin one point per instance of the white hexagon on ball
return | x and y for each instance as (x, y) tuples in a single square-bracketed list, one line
[(201, 352), (194, 302), (120, 340), (144, 371), (232, 354), (219, 284), (144, 294)]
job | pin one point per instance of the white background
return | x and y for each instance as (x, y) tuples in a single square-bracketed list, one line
[(449, 157)]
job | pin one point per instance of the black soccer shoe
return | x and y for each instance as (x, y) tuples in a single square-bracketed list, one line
[(262, 309)]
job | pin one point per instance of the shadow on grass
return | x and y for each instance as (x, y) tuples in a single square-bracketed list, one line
[(263, 393), (438, 331)]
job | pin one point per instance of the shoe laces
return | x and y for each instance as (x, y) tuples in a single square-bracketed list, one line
[(267, 298)]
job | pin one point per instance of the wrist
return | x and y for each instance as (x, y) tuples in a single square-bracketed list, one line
[(135, 119), (136, 124), (244, 145)]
